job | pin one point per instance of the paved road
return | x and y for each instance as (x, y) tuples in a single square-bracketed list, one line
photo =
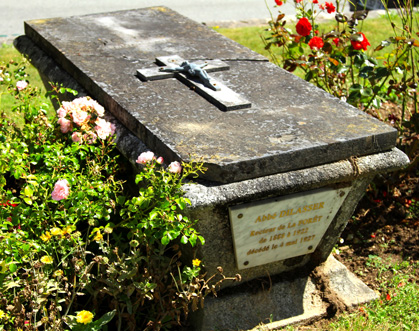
[(14, 12)]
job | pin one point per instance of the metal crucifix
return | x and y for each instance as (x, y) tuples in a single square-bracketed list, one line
[(194, 76)]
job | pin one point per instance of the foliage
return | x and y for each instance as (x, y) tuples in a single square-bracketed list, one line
[(336, 60), (77, 247)]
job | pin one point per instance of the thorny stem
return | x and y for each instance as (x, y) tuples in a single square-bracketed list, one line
[(384, 81)]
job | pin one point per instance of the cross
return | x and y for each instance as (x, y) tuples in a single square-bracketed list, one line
[(214, 91)]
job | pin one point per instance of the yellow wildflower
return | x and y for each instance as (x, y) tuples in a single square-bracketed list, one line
[(46, 236), (67, 230), (84, 317), (196, 262), (56, 232), (58, 273), (2, 314), (98, 236), (3, 267), (47, 259)]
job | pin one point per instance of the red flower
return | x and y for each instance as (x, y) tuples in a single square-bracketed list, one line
[(316, 43), (363, 44), (336, 41), (303, 27), (322, 6), (315, 1), (330, 8), (388, 297), (8, 203), (279, 2), (298, 1)]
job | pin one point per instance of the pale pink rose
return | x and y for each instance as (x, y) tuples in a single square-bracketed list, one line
[(65, 124), (21, 85), (90, 137), (61, 190), (61, 112), (80, 116), (67, 106), (145, 157), (113, 129), (175, 167), (81, 103), (77, 137), (160, 160), (104, 128), (100, 111)]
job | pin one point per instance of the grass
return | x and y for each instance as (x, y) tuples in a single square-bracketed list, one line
[(13, 60), (397, 309)]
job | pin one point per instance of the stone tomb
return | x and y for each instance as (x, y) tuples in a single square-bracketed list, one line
[(287, 163)]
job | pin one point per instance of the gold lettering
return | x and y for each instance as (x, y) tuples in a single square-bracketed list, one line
[(258, 250), (256, 233), (300, 210)]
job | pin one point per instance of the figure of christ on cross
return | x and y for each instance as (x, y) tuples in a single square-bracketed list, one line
[(194, 70)]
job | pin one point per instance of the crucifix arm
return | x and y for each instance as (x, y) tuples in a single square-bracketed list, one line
[(175, 69)]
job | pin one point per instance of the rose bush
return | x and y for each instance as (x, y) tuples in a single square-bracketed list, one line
[(334, 61), (78, 245)]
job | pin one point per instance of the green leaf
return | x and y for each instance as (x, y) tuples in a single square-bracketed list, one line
[(165, 240), (192, 239), (28, 201), (106, 318), (28, 191), (13, 267), (381, 72), (202, 240), (376, 103), (366, 71), (184, 240)]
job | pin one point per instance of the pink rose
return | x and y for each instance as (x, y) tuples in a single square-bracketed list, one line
[(80, 116), (21, 85), (65, 124), (104, 128), (77, 137), (81, 103), (62, 112), (100, 111), (61, 190), (90, 137), (145, 157), (175, 167), (159, 160), (67, 106)]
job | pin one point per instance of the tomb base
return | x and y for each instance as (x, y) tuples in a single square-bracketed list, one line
[(269, 304)]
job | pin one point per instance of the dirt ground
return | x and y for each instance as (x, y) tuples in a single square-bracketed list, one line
[(383, 224), (386, 221)]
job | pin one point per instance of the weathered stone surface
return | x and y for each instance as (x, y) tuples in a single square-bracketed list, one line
[(291, 124), (210, 206), (287, 301), (345, 286), (277, 304)]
